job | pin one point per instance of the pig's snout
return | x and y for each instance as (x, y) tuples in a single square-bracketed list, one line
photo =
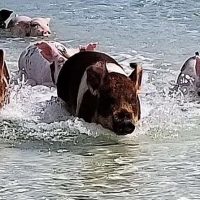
[(122, 123), (46, 33)]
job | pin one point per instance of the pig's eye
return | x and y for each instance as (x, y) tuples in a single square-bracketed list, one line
[(34, 25)]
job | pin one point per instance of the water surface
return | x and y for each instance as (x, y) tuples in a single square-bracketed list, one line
[(47, 154)]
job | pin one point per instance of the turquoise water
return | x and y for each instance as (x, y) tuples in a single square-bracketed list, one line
[(47, 154)]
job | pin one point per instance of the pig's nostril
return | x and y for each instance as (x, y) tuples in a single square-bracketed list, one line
[(46, 33)]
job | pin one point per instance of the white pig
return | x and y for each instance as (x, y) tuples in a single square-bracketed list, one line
[(40, 63), (22, 26)]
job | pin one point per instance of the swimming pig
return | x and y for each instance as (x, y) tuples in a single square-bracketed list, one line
[(4, 80), (22, 26), (189, 77), (41, 62), (96, 88)]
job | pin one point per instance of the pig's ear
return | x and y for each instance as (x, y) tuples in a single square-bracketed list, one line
[(1, 63), (46, 51), (136, 75), (95, 75)]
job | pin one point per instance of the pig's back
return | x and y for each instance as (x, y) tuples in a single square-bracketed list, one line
[(17, 19), (72, 71)]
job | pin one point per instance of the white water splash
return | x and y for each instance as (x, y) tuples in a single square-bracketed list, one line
[(36, 112)]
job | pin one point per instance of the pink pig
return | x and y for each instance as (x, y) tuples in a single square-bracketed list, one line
[(22, 26), (40, 63)]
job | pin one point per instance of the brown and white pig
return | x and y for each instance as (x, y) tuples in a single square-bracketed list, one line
[(189, 77), (96, 88), (22, 26), (40, 63), (4, 80)]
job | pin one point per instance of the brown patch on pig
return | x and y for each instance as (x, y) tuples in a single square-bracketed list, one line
[(21, 29), (4, 80), (197, 66)]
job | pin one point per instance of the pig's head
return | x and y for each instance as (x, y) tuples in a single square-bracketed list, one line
[(56, 54), (189, 77), (40, 27), (33, 27), (118, 105), (4, 80)]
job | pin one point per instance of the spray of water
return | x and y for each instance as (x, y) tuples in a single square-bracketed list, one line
[(36, 113)]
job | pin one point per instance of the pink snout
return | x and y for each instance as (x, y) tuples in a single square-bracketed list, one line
[(40, 30), (46, 33)]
